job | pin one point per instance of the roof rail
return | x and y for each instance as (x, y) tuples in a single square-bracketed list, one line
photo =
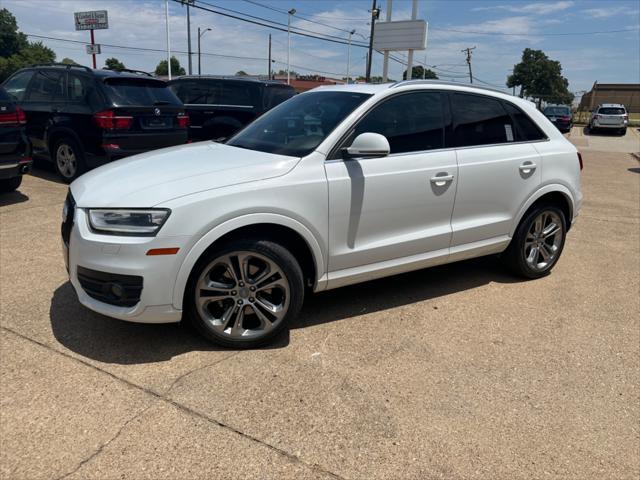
[(444, 82), (57, 64), (128, 70)]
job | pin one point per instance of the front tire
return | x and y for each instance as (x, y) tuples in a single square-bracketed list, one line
[(244, 294), (10, 184), (68, 159), (623, 132), (537, 243)]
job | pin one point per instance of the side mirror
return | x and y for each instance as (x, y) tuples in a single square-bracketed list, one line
[(367, 145)]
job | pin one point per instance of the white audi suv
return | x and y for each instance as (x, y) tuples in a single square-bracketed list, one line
[(335, 186)]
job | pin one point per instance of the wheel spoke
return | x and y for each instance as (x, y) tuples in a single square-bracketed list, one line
[(533, 256), (237, 329), (265, 323), (544, 252), (227, 316), (551, 229), (539, 223), (276, 282), (268, 306)]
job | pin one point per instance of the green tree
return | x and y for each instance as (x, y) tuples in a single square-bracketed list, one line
[(292, 73), (68, 61), (540, 78), (28, 55), (419, 71), (241, 73), (114, 64), (176, 69), (11, 40)]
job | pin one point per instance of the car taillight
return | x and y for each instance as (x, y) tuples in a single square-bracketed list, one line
[(183, 120), (580, 161), (596, 117), (626, 117), (566, 117), (14, 118), (108, 120)]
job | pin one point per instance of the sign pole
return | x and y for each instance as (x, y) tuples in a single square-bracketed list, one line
[(93, 42)]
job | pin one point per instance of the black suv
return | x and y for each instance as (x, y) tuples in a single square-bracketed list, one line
[(81, 118), (220, 106), (15, 150)]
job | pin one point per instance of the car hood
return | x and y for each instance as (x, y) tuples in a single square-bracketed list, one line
[(151, 178)]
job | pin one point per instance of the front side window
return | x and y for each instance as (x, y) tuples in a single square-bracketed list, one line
[(297, 126), (16, 86), (411, 122), (47, 86), (480, 120)]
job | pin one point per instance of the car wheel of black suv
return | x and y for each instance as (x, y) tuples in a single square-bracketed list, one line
[(538, 242), (245, 293), (10, 184), (68, 159)]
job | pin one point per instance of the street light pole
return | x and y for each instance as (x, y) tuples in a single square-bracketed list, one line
[(349, 57), (166, 15), (200, 36), (189, 38), (291, 13)]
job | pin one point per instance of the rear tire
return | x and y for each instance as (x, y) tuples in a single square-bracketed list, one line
[(537, 243), (245, 293), (623, 132), (10, 184), (68, 159)]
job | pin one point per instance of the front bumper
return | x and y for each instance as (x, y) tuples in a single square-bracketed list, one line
[(126, 256)]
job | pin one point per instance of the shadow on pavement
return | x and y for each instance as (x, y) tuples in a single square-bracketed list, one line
[(11, 198), (46, 171), (634, 169), (113, 341), (391, 292), (601, 133)]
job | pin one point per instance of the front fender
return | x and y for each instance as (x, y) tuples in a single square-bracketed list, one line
[(550, 188), (243, 221)]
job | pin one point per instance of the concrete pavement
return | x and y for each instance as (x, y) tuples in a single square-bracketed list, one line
[(459, 371)]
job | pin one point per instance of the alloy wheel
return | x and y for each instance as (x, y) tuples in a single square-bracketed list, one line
[(543, 241), (242, 295), (66, 161)]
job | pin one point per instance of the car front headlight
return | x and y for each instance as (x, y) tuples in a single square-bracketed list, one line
[(123, 221)]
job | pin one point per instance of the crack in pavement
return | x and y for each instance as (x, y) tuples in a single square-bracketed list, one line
[(100, 449), (189, 411), (181, 377)]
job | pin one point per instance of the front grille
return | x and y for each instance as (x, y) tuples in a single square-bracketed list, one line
[(67, 221), (111, 288)]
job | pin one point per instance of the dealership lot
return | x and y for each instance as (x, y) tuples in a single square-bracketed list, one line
[(460, 371)]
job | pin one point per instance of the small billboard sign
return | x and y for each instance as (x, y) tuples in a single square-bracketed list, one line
[(94, 20), (93, 49), (400, 35)]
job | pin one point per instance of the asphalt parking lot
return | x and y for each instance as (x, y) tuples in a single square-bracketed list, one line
[(459, 371)]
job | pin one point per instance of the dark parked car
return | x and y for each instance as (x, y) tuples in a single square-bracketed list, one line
[(15, 150), (220, 106), (80, 118), (560, 116)]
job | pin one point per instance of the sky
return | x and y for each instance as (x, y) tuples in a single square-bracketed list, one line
[(499, 31)]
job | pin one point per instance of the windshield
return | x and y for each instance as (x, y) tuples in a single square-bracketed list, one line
[(134, 91), (557, 111), (611, 111), (297, 126)]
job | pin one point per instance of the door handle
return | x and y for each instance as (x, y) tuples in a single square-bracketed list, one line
[(528, 167), (441, 180)]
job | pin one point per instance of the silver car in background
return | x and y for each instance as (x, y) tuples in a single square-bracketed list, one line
[(609, 116)]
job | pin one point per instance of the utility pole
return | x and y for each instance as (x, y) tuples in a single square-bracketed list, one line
[(349, 57), (199, 55), (414, 15), (269, 69), (291, 13), (166, 16), (375, 13), (468, 51), (189, 2)]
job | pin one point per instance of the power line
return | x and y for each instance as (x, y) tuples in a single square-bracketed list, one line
[(306, 19), (270, 7), (276, 25), (542, 34)]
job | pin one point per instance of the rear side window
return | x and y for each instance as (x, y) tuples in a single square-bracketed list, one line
[(16, 86), (526, 128), (47, 86), (81, 89), (557, 111), (611, 111), (411, 122), (275, 96), (480, 120), (197, 92), (139, 91), (237, 94)]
